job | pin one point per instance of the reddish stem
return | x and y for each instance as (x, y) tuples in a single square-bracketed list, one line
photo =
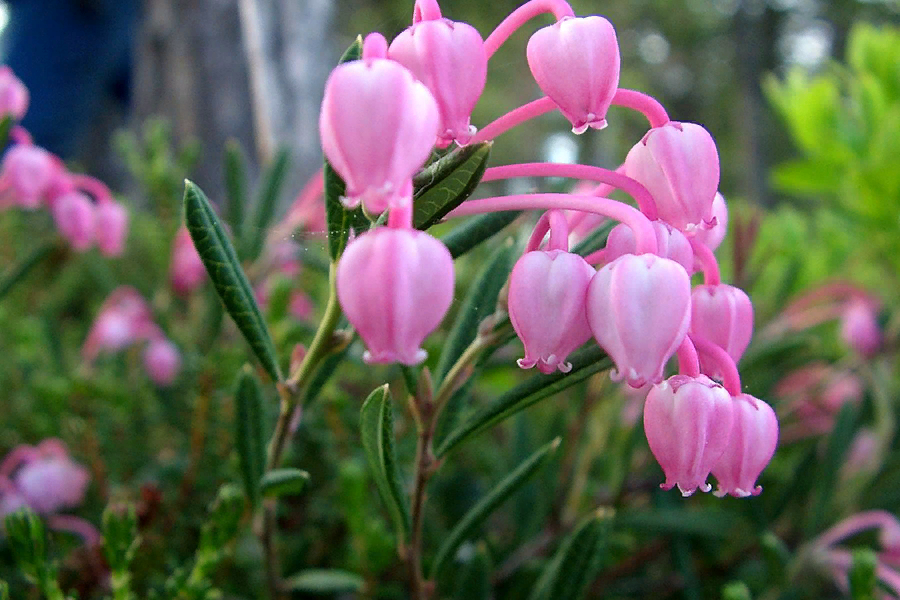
[(731, 379), (642, 103), (688, 361), (711, 275), (515, 117), (520, 16), (426, 10)]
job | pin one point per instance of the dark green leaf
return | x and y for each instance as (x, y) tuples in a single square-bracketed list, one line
[(476, 230), (283, 482), (324, 581), (376, 424), (248, 435), (235, 187), (713, 523), (584, 364), (483, 509), (18, 271), (594, 241), (323, 374), (224, 269), (270, 191), (474, 580), (446, 183), (575, 564), (838, 443)]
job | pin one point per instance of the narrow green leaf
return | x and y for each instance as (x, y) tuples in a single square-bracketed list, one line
[(575, 564), (476, 230), (339, 220), (224, 269), (270, 190), (863, 582), (322, 375), (235, 187), (18, 271), (483, 509), (249, 436), (474, 581), (446, 183), (712, 523), (479, 302), (324, 581), (594, 241), (584, 364), (283, 482), (376, 424), (838, 443)]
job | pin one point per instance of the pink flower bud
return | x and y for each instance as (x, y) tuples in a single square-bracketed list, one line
[(162, 361), (546, 307), (13, 95), (575, 62), (111, 228), (26, 176), (639, 310), (378, 126), (754, 436), (395, 286), (679, 165), (123, 319), (74, 215), (52, 481), (722, 314), (712, 237), (859, 327), (187, 271), (449, 58), (688, 421), (670, 242), (300, 306)]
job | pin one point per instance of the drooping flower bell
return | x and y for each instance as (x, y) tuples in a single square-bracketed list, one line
[(576, 63), (712, 237), (124, 318), (378, 126), (670, 243), (449, 58), (395, 286), (678, 163), (186, 272), (754, 436), (162, 361), (688, 422), (547, 307), (722, 314), (859, 327), (639, 310), (26, 176), (13, 95), (51, 481), (74, 215), (110, 227)]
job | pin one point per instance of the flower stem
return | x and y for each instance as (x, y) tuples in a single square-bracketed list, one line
[(731, 379), (642, 103), (513, 118), (707, 259), (523, 14), (688, 361)]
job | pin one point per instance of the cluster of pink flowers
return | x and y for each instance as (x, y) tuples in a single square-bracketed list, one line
[(125, 319), (45, 479), (382, 116), (839, 560)]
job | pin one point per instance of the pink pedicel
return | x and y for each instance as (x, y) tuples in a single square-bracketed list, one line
[(639, 310), (449, 58), (395, 286), (546, 307), (688, 423), (74, 215), (712, 237), (186, 272), (162, 361), (378, 126), (679, 165), (859, 327), (13, 95), (754, 436), (670, 242), (26, 176), (722, 314), (575, 62), (110, 228), (49, 480), (124, 319)]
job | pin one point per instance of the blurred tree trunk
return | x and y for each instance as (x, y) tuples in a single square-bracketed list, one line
[(252, 70)]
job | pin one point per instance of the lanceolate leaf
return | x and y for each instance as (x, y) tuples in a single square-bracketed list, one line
[(376, 423), (270, 190), (283, 482), (483, 509), (447, 182), (584, 364), (235, 187), (224, 269), (476, 230), (249, 437), (325, 581)]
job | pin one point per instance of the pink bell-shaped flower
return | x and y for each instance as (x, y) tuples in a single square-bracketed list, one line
[(74, 215), (13, 95), (51, 481), (679, 165), (576, 63), (395, 286), (162, 361), (26, 176), (186, 272), (859, 327), (688, 422), (712, 237), (670, 244), (449, 58), (754, 436), (378, 126), (639, 310), (722, 314), (546, 307), (123, 319), (110, 227)]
